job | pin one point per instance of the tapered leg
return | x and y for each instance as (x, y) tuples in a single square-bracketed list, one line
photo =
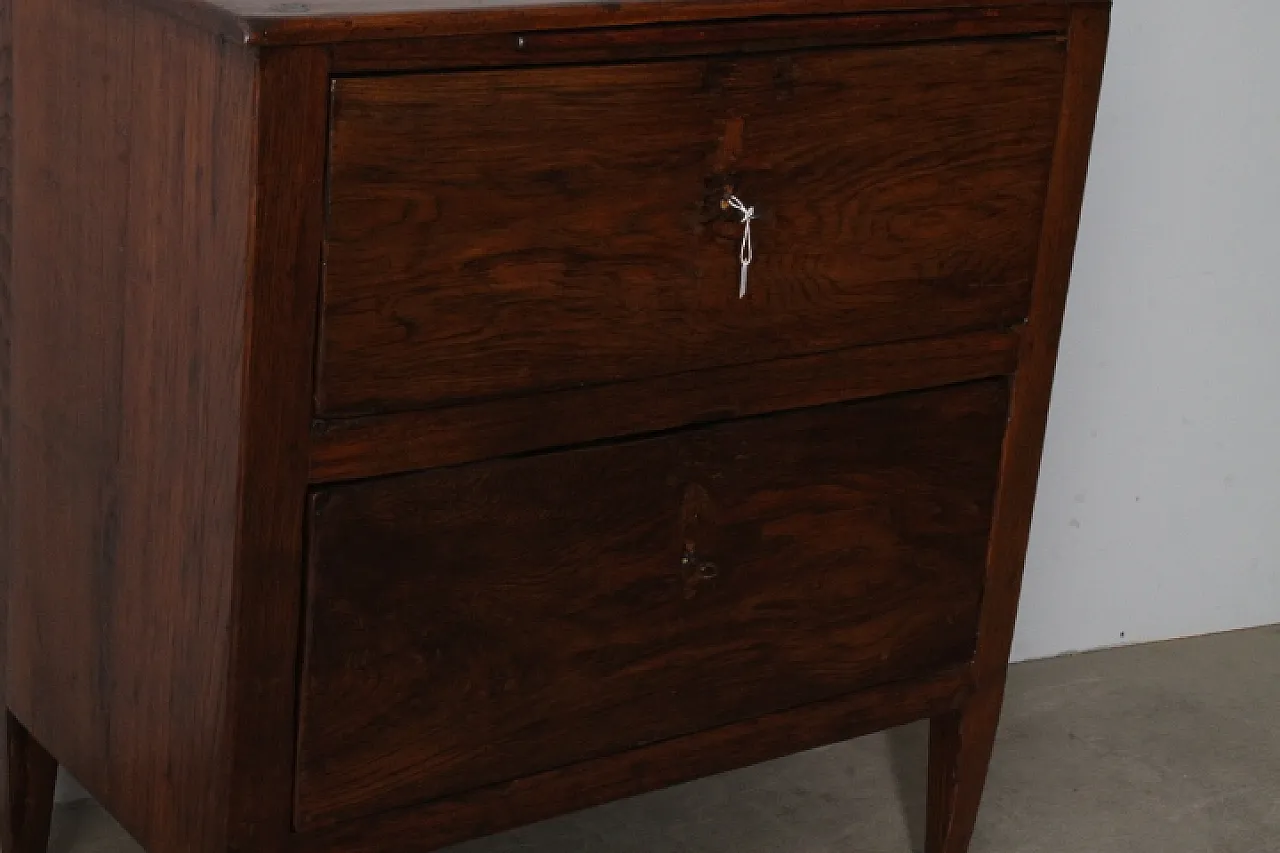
[(960, 745), (26, 784)]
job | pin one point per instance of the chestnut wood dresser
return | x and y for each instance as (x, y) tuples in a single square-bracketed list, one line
[(426, 417)]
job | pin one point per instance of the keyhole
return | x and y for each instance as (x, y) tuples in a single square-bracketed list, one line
[(697, 571)]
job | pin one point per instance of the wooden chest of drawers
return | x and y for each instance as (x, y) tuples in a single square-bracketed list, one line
[(424, 417)]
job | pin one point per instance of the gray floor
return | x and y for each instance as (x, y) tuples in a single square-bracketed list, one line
[(1167, 748)]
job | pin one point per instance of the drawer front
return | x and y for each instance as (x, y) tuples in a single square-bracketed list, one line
[(479, 624), (501, 231)]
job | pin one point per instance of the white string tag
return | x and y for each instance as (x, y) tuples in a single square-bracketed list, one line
[(746, 254)]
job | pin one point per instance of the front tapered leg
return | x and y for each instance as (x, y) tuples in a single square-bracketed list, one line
[(28, 778), (960, 746)]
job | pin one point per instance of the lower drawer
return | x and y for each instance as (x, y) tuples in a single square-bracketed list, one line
[(473, 625)]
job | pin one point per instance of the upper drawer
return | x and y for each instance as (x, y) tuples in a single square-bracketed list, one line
[(515, 230)]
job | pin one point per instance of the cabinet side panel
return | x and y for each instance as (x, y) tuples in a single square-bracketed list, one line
[(6, 270), (133, 197)]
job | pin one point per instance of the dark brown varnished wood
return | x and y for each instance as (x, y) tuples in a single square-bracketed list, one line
[(648, 768), (9, 816), (27, 778), (963, 742), (28, 774), (270, 22), (942, 781), (468, 257), (369, 447), (474, 625), (281, 322), (673, 40), (131, 209), (169, 224)]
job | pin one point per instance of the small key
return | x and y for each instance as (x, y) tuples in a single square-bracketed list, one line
[(746, 253)]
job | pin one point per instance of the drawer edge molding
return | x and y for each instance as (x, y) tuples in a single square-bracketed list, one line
[(377, 446), (413, 19), (658, 765), (673, 40)]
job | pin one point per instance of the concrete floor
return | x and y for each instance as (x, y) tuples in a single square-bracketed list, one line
[(1166, 748)]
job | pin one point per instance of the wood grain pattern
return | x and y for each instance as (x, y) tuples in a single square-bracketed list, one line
[(942, 781), (370, 447), (6, 371), (475, 625), (644, 10), (335, 21), (963, 742), (715, 508), (28, 775), (434, 825), (281, 322), (133, 189), (469, 256), (673, 40)]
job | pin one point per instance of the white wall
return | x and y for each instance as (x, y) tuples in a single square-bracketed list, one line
[(1159, 506)]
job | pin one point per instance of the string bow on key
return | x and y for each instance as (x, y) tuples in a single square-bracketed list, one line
[(746, 254)]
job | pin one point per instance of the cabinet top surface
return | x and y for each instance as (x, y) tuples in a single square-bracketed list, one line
[(325, 21)]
